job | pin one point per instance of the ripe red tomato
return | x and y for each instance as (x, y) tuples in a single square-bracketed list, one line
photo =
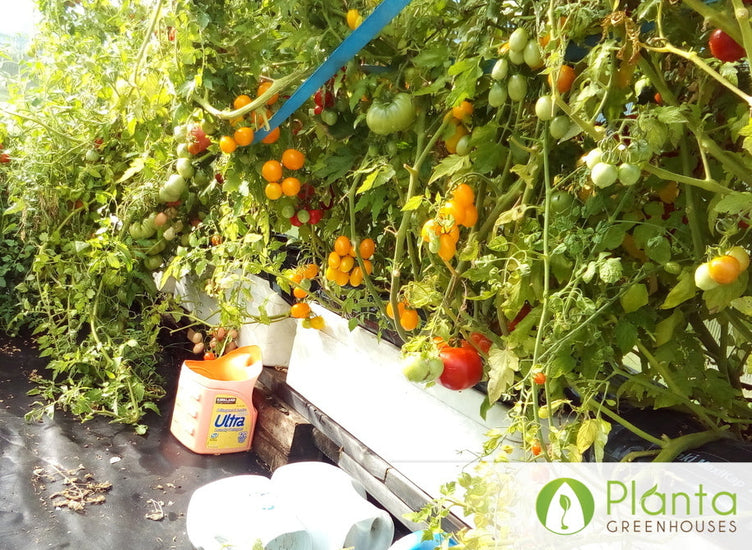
[(535, 448), (539, 378), (463, 368), (723, 47), (209, 355), (315, 215)]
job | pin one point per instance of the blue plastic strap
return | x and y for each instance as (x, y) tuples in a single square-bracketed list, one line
[(350, 46)]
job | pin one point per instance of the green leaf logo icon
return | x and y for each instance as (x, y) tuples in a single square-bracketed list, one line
[(565, 506)]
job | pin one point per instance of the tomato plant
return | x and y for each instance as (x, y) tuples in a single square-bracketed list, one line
[(514, 183)]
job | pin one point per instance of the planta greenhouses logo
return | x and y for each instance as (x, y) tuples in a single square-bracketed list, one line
[(565, 506)]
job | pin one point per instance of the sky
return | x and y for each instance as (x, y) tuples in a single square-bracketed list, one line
[(17, 16)]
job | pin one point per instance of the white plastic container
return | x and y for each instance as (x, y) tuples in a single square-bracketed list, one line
[(332, 507), (237, 511)]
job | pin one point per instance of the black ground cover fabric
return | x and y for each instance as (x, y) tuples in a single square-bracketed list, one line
[(151, 476)]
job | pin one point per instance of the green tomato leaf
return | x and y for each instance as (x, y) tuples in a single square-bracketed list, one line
[(720, 297), (634, 298), (502, 364), (413, 203), (743, 305), (658, 249), (449, 166), (684, 290), (734, 203), (664, 331), (625, 334)]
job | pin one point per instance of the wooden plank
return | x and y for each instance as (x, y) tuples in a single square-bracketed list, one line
[(282, 435)]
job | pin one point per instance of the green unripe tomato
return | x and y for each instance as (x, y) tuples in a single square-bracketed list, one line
[(629, 174), (518, 40), (545, 108), (517, 87), (604, 175), (303, 216), (559, 126), (497, 95), (463, 145), (500, 69)]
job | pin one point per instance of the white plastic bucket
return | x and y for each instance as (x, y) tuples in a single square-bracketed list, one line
[(237, 511), (332, 507)]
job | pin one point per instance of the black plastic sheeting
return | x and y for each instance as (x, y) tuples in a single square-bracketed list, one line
[(151, 475)]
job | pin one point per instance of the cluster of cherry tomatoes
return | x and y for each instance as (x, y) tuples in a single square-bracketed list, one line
[(723, 269), (302, 310), (408, 317), (443, 232), (243, 135), (272, 171), (302, 277), (221, 340), (458, 139), (342, 265)]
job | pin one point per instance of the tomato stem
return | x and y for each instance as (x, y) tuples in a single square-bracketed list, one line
[(277, 86), (145, 43), (399, 245)]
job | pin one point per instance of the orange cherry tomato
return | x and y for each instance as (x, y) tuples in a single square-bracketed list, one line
[(346, 263), (310, 271), (453, 209), (227, 144), (263, 87), (271, 170), (463, 195), (342, 245), (366, 248), (390, 309), (334, 260), (356, 276), (724, 269), (301, 310), (271, 137), (292, 159), (564, 79), (463, 111), (470, 216), (273, 190), (447, 247), (241, 101), (290, 186), (243, 136), (409, 319)]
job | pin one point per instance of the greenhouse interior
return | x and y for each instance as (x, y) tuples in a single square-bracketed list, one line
[(375, 274)]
